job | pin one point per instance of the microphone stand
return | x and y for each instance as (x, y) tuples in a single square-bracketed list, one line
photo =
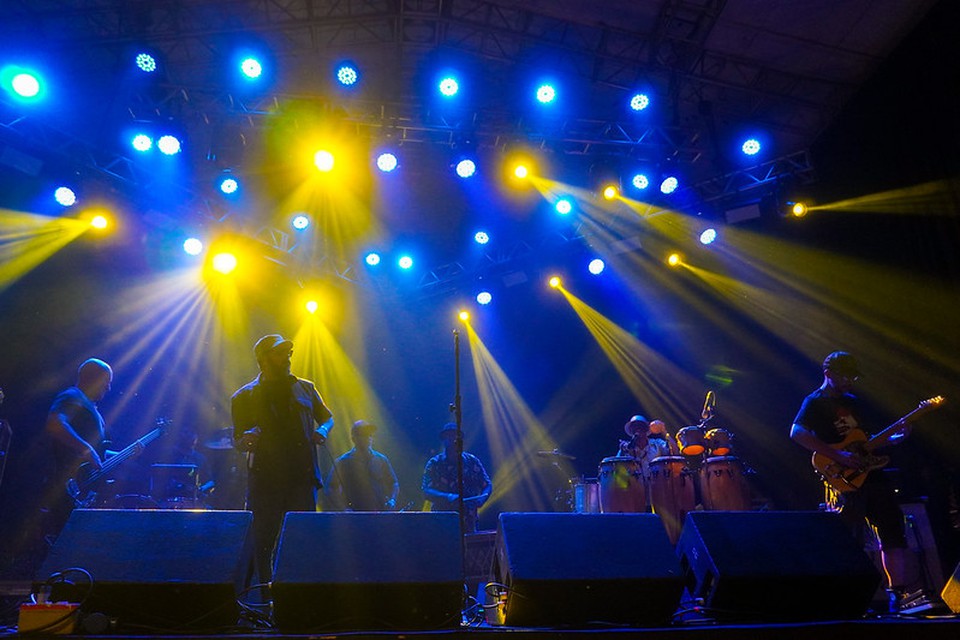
[(457, 409)]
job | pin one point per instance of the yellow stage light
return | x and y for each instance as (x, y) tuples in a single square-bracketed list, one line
[(673, 259), (521, 171), (798, 209), (554, 282), (323, 160), (312, 306), (464, 315), (99, 222), (609, 192), (224, 263)]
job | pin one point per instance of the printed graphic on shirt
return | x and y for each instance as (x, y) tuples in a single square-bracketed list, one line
[(844, 421)]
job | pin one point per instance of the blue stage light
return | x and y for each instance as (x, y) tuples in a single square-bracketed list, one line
[(141, 142), (405, 262), (596, 266), (23, 84), (26, 85), (300, 222), (65, 196), (751, 147), (708, 236), (669, 185), (481, 237), (639, 101), (484, 297), (251, 68), (387, 162), (563, 206), (372, 259), (168, 145), (466, 168), (229, 186), (192, 246), (546, 94), (146, 62), (448, 87), (347, 75), (640, 181)]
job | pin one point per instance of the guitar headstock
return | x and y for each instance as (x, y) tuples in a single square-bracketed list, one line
[(163, 424), (932, 403)]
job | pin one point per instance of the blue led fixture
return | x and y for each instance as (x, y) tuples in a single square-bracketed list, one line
[(466, 168), (387, 162)]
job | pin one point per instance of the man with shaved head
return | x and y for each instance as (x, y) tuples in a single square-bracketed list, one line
[(76, 429)]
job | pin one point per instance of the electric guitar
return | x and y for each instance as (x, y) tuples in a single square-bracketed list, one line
[(82, 487), (845, 479)]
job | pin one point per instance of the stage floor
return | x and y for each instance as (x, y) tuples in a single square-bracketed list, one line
[(935, 623)]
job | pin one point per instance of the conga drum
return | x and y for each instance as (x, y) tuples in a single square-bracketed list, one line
[(621, 486), (690, 441), (719, 441), (723, 485), (672, 492)]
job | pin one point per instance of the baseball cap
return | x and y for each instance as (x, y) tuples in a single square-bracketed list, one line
[(268, 343), (363, 426), (450, 426), (636, 424), (842, 363)]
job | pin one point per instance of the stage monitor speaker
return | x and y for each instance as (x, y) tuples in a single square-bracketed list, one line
[(155, 568), (356, 570), (578, 569), (776, 565)]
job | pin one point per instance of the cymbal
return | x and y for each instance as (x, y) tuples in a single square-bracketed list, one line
[(556, 453), (222, 439)]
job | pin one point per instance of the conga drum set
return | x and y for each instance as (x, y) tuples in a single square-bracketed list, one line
[(706, 473)]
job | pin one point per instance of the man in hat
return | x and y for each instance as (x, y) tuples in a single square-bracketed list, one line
[(439, 483), (648, 440), (279, 420), (363, 479), (823, 422)]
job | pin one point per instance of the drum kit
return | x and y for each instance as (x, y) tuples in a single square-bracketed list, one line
[(177, 486), (706, 473)]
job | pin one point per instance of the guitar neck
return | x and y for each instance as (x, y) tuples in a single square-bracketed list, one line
[(121, 456), (881, 438)]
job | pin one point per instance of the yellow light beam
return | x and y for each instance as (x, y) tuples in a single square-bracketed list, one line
[(662, 388), (512, 430), (27, 239), (939, 196)]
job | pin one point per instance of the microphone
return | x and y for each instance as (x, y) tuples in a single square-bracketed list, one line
[(709, 403)]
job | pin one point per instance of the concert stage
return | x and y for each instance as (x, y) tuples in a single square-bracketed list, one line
[(164, 573)]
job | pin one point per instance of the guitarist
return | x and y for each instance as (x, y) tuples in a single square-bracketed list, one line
[(824, 420), (76, 428)]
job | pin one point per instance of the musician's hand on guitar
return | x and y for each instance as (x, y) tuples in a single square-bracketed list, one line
[(93, 457), (318, 438), (901, 432)]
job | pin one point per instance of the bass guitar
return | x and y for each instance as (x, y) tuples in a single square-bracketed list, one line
[(845, 479), (82, 487)]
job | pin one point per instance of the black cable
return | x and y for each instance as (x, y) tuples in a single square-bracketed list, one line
[(58, 577)]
